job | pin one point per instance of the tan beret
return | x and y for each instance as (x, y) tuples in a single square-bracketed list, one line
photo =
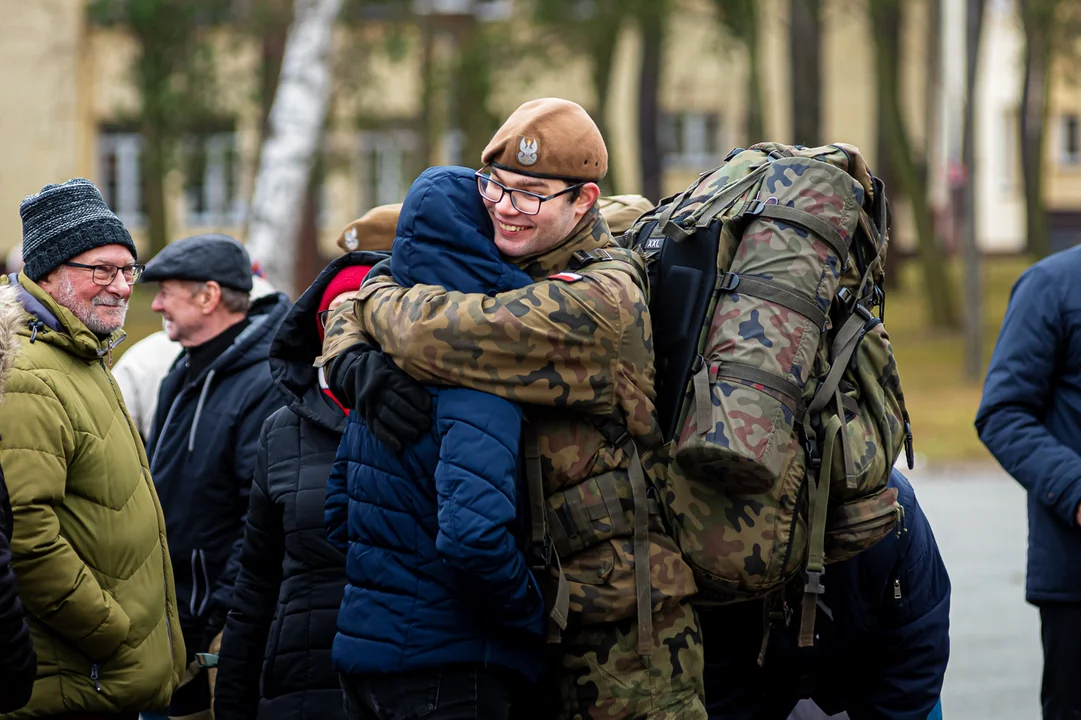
[(374, 230), (620, 211), (549, 138)]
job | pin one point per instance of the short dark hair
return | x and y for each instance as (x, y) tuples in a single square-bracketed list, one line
[(573, 195), (235, 301)]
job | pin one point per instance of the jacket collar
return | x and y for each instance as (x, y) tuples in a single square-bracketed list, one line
[(591, 233), (52, 323)]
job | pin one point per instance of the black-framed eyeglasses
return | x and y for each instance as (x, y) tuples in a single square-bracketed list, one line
[(105, 274), (524, 201)]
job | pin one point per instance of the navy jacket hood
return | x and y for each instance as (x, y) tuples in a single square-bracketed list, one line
[(444, 237)]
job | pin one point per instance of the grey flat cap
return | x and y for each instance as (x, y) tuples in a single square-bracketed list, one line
[(202, 258)]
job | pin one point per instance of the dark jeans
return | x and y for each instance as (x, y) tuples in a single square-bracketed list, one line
[(1061, 631), (464, 692)]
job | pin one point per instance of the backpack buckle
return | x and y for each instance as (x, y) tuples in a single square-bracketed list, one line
[(729, 281), (813, 582), (758, 205)]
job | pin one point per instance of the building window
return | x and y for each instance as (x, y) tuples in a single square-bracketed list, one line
[(690, 140), (211, 179), (1071, 140), (119, 176), (484, 10), (386, 166)]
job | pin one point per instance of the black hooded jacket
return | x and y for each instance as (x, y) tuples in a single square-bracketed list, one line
[(275, 655), (202, 457)]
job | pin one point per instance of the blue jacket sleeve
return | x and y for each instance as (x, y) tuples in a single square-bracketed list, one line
[(914, 647), (476, 485), (255, 598), (1019, 384), (336, 514)]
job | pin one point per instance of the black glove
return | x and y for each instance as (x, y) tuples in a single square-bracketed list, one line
[(396, 407)]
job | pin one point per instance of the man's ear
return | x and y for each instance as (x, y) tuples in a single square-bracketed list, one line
[(588, 197), (213, 297)]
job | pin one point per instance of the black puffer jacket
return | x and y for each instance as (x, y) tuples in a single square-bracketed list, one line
[(275, 653), (18, 663)]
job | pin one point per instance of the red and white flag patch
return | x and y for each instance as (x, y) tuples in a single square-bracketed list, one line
[(566, 277)]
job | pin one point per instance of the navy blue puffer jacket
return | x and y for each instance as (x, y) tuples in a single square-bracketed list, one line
[(434, 562), (1030, 418)]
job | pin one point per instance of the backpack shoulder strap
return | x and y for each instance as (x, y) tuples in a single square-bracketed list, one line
[(615, 258)]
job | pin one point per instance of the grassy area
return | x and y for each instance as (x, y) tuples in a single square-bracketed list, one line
[(941, 402)]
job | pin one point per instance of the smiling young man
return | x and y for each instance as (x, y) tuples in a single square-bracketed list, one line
[(88, 541), (575, 349)]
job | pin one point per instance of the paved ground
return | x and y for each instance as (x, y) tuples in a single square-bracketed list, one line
[(980, 523)]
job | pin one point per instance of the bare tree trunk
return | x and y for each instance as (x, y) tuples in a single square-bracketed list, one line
[(933, 68), (886, 20), (805, 44), (756, 114), (473, 85), (603, 49), (884, 171), (308, 259), (970, 247), (154, 168), (428, 133), (1032, 125), (648, 101), (296, 123)]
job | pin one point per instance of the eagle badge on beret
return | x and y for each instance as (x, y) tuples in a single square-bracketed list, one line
[(352, 242), (527, 151)]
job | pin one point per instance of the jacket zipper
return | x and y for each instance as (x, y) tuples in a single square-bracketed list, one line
[(897, 590), (194, 583), (95, 673)]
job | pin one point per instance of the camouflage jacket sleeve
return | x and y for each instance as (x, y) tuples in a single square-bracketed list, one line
[(575, 342)]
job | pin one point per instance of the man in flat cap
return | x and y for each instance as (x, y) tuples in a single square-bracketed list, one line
[(575, 349), (88, 537), (205, 435)]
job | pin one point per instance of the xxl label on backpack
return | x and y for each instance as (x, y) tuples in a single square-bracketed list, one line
[(765, 332)]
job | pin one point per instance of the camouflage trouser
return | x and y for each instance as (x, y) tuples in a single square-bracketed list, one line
[(603, 677)]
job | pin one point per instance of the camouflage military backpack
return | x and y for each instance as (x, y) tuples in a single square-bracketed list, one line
[(777, 387)]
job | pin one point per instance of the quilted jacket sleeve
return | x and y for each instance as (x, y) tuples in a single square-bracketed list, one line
[(18, 663), (1019, 383), (336, 514), (55, 584), (254, 597), (476, 485), (248, 434)]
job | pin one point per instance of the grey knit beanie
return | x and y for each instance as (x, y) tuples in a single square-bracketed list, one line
[(65, 220)]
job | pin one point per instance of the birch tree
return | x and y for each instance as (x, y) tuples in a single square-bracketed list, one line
[(295, 126)]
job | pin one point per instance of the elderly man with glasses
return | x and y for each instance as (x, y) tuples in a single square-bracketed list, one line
[(205, 436), (88, 536)]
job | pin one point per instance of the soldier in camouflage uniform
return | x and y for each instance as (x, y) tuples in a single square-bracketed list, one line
[(575, 348)]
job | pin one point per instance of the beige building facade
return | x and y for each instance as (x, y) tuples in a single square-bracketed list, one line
[(66, 89)]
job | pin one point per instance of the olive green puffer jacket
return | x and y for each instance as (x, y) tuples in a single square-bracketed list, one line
[(88, 543)]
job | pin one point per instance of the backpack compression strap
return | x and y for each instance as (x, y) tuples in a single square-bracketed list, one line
[(540, 539)]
